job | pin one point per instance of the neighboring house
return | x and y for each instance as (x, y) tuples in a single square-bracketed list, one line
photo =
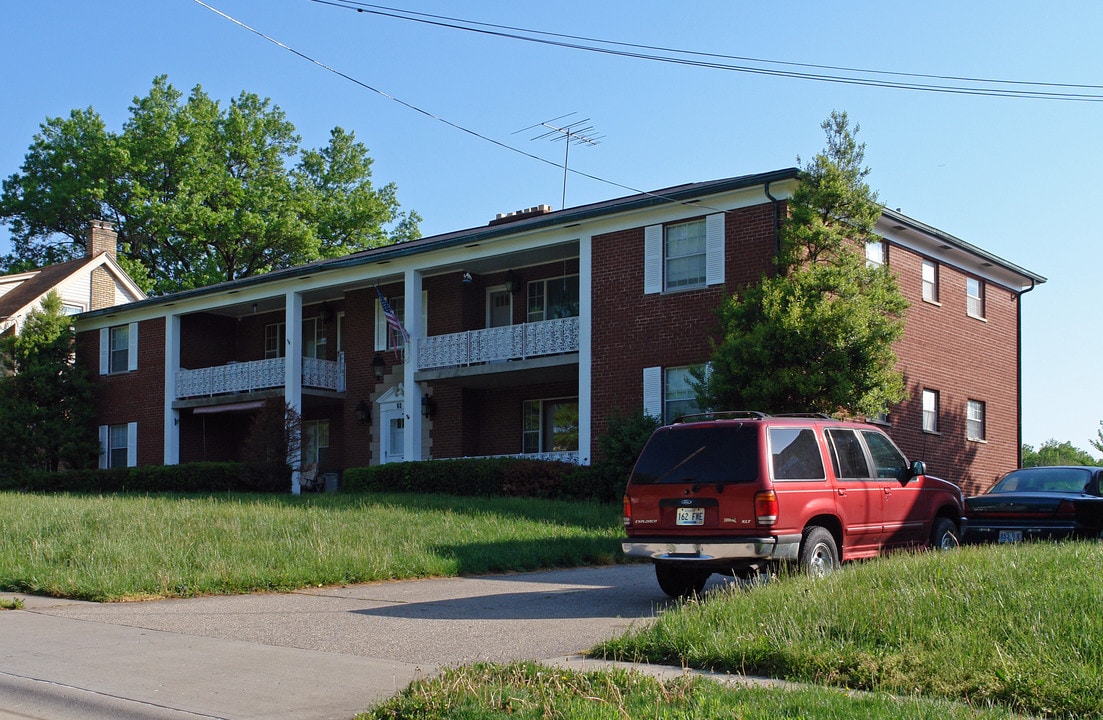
[(89, 283), (525, 335)]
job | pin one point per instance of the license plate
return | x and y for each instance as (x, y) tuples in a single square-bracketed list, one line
[(690, 516), (1011, 536)]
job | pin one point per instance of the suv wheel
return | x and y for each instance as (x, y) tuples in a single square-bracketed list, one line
[(944, 534), (818, 553), (680, 582)]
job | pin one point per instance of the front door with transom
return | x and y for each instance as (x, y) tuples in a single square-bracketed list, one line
[(392, 425), (499, 307)]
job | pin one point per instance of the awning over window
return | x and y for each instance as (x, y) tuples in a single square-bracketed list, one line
[(232, 407)]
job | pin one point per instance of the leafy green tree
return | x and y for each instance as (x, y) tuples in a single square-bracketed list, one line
[(1098, 443), (199, 193), (818, 336), (1052, 452), (47, 416)]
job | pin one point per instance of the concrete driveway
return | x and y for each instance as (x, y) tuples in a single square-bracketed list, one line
[(318, 653)]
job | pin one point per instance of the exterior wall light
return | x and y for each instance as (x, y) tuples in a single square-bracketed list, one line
[(428, 406), (363, 413), (378, 366)]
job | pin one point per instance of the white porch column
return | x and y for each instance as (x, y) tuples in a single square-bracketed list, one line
[(412, 404), (172, 366), (585, 357), (293, 371)]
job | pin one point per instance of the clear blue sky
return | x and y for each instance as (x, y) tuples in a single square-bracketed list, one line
[(1013, 176)]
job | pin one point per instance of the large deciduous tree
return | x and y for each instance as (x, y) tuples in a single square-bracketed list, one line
[(818, 336), (46, 401), (199, 193)]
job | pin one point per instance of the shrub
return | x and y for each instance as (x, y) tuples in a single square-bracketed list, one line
[(485, 477)]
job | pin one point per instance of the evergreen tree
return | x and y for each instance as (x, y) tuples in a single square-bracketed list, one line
[(47, 414), (817, 336)]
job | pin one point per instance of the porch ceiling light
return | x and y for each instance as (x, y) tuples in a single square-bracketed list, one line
[(512, 282), (378, 366), (363, 413), (466, 278)]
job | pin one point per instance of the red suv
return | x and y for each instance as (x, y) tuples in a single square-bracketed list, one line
[(731, 493)]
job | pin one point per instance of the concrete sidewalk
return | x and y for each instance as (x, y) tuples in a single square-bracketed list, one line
[(317, 653)]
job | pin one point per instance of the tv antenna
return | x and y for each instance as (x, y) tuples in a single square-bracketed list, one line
[(577, 132)]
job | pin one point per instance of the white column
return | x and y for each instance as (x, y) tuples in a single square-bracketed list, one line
[(293, 370), (585, 357), (172, 366), (412, 402)]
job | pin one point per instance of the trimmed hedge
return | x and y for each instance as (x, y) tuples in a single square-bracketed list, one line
[(189, 478), (485, 477)]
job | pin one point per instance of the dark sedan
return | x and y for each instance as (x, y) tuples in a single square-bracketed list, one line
[(1040, 503)]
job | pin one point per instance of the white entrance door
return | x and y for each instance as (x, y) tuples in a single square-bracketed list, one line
[(499, 308), (393, 429)]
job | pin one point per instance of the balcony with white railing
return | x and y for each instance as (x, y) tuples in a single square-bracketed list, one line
[(256, 375), (512, 342)]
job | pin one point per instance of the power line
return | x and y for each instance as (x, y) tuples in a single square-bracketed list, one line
[(971, 86), (431, 115)]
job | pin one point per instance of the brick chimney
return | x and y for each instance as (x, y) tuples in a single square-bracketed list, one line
[(102, 238)]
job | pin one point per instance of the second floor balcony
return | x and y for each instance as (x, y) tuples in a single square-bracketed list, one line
[(256, 375), (510, 342)]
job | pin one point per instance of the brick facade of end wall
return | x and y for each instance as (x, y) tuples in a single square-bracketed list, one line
[(136, 396), (962, 358)]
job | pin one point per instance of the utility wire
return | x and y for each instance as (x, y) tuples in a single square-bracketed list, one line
[(974, 86), (433, 116)]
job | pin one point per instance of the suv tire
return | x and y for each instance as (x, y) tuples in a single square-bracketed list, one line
[(944, 534), (819, 555), (680, 582)]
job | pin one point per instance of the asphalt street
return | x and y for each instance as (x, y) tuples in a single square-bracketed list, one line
[(322, 653)]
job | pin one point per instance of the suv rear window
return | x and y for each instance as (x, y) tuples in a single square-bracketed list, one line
[(708, 455)]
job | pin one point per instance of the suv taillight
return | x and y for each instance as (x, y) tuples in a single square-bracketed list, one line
[(765, 507), (1066, 509), (627, 511)]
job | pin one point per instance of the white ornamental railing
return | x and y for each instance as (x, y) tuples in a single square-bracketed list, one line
[(512, 342), (256, 375)]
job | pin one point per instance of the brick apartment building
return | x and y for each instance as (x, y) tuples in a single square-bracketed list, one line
[(526, 334)]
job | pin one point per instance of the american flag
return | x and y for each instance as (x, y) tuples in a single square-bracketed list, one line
[(393, 322)]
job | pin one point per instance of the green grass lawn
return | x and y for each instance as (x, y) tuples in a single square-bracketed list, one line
[(127, 547), (981, 632)]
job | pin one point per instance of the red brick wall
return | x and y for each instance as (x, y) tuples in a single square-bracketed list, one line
[(137, 396), (633, 331), (962, 358)]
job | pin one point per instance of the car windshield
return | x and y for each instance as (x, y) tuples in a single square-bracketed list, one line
[(1045, 479), (705, 454)]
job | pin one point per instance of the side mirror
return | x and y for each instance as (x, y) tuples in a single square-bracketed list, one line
[(918, 468)]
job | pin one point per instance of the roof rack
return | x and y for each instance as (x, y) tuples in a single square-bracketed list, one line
[(818, 416), (722, 415)]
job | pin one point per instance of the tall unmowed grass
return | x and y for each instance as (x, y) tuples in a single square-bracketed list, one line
[(1015, 626), (118, 547)]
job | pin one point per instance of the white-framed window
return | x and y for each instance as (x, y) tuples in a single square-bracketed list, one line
[(679, 397), (549, 425), (119, 349), (315, 442), (118, 445), (552, 298), (930, 281), (975, 420), (384, 338), (930, 411), (684, 255), (275, 335), (668, 393), (974, 294), (875, 253)]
